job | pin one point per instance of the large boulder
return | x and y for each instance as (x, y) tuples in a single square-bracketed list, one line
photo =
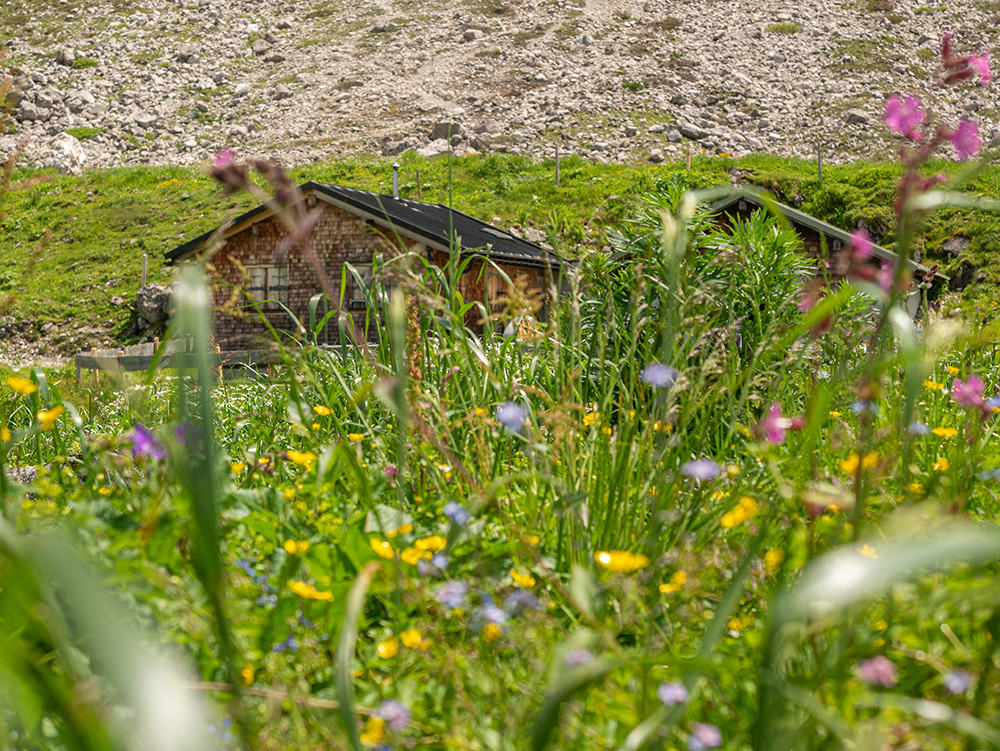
[(153, 302), (65, 154)]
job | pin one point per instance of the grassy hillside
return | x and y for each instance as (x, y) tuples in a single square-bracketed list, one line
[(104, 222)]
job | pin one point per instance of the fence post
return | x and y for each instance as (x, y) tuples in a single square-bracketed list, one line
[(143, 270), (93, 353)]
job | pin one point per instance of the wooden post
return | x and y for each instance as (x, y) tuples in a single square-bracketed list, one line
[(819, 163), (419, 196), (156, 344), (688, 161), (93, 353), (557, 165), (78, 374), (144, 256), (190, 344)]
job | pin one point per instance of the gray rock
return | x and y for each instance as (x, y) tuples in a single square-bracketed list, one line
[(282, 92), (856, 117), (77, 100), (65, 154), (206, 84), (274, 57), (658, 128), (692, 131), (955, 245), (154, 303), (962, 277), (117, 300), (434, 148), (260, 47), (242, 89), (445, 130), (755, 144), (65, 56), (48, 98), (472, 35), (147, 120), (630, 131), (284, 23), (185, 52), (673, 135), (656, 156)]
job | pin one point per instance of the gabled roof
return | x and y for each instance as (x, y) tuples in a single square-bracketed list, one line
[(432, 224), (800, 217)]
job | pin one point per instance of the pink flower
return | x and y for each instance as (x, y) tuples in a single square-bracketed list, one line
[(965, 138), (903, 116), (879, 671), (981, 64), (968, 394), (861, 244), (224, 158), (773, 427)]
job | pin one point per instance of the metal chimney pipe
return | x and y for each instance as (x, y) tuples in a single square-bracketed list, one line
[(395, 180)]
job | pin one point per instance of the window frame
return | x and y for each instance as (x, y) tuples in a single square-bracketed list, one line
[(268, 285)]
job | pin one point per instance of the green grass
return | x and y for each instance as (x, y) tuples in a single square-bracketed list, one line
[(82, 63), (84, 133), (786, 27)]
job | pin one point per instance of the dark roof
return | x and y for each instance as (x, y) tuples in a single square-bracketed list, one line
[(800, 217), (433, 224)]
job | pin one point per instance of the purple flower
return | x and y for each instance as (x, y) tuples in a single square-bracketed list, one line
[(981, 64), (878, 671), (969, 393), (904, 115), (492, 613), (578, 657), (520, 600), (290, 644), (456, 513), (439, 561), (144, 443), (861, 245), (774, 426), (965, 138), (701, 469), (658, 375), (918, 428), (224, 158), (395, 713), (390, 470), (957, 682), (453, 594), (512, 416), (704, 736), (672, 693), (244, 565)]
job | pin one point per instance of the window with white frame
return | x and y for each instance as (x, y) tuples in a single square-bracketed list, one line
[(269, 285)]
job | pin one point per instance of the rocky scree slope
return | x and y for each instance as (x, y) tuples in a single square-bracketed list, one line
[(174, 81)]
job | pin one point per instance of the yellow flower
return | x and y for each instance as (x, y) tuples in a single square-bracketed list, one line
[(290, 547), (592, 418), (530, 539), (606, 430), (237, 467), (479, 411), (945, 432), (22, 385), (247, 674), (523, 580), (412, 639), (302, 458), (262, 461), (735, 624), (433, 543), (952, 371), (677, 581), (105, 491), (933, 385), (308, 591), (4, 434), (321, 410), (773, 559), (355, 437), (383, 548), (316, 426), (621, 560), (412, 555), (915, 488), (374, 731), (492, 632), (881, 625), (834, 413), (941, 465), (289, 493), (746, 508), (868, 551), (388, 648), (850, 464), (47, 417)]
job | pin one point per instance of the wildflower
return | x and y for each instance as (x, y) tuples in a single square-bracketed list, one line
[(957, 682), (834, 413), (530, 539), (969, 393), (512, 416), (981, 64), (456, 513), (383, 548), (22, 386), (453, 594), (247, 674), (621, 561), (578, 657), (520, 600), (522, 580), (237, 467), (704, 736), (678, 580), (292, 547), (432, 543), (774, 427), (915, 488), (374, 731), (309, 592), (952, 370), (478, 411), (5, 434), (395, 713), (773, 559), (390, 470), (388, 648), (592, 418), (48, 417), (878, 671), (868, 552), (701, 469), (918, 428), (144, 443), (965, 138), (850, 464), (945, 432), (492, 632), (412, 555), (672, 693), (411, 639), (267, 599), (941, 465), (659, 376), (290, 644), (321, 410), (933, 385), (355, 437), (904, 115), (746, 508), (439, 561), (302, 458)]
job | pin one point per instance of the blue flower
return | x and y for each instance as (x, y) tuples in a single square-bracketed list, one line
[(439, 561), (394, 713), (492, 613), (144, 443), (658, 375), (244, 565), (672, 693), (918, 428), (456, 513), (704, 736), (701, 469), (520, 600), (290, 644), (957, 681), (453, 594), (865, 405), (578, 657), (512, 416), (267, 600)]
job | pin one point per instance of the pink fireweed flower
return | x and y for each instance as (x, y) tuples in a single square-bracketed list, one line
[(224, 158), (773, 427), (904, 115), (981, 64), (879, 671), (969, 393), (965, 138)]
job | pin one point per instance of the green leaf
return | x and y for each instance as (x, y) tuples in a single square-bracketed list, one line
[(345, 651), (572, 681)]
